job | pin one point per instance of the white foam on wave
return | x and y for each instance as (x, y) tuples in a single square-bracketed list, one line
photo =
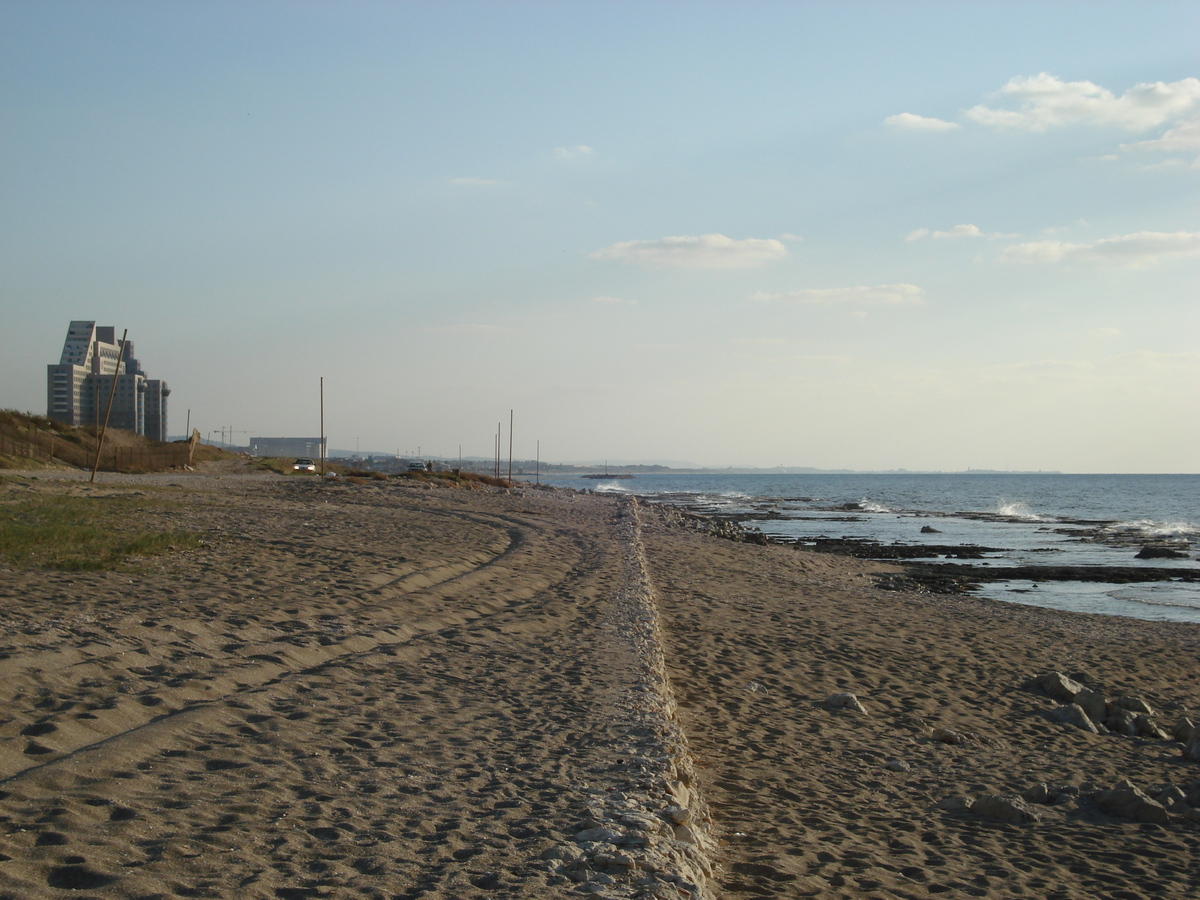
[(1151, 529), (611, 487), (1017, 509), (870, 506), (1139, 595)]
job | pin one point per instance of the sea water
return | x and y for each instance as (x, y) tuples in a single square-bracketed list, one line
[(1031, 519)]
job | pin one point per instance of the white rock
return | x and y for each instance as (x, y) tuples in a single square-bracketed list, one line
[(1129, 802), (956, 804), (1135, 704), (677, 815), (1073, 714), (1191, 750), (1056, 685), (600, 835), (1183, 729), (948, 736), (685, 834), (1093, 704), (1038, 793), (1147, 727), (1002, 808), (844, 701), (1171, 797)]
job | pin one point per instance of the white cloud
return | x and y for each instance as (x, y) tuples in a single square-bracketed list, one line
[(959, 231), (913, 122), (956, 232), (706, 251), (573, 152), (476, 182), (886, 294), (1045, 101), (1182, 139), (788, 236), (1133, 250), (1105, 333)]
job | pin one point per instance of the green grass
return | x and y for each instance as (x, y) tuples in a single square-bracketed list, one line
[(80, 534)]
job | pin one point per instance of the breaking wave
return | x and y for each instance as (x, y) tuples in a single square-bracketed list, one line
[(1016, 509), (611, 487), (1148, 528)]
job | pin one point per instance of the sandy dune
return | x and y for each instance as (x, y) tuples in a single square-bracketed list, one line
[(387, 691)]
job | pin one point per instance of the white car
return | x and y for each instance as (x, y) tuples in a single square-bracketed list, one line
[(304, 464)]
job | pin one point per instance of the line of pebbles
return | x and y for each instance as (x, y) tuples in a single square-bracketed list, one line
[(645, 834)]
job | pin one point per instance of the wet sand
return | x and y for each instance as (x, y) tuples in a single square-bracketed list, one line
[(385, 690)]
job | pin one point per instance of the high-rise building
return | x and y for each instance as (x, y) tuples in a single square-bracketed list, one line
[(78, 387)]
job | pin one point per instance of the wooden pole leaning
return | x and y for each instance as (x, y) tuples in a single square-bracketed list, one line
[(111, 394)]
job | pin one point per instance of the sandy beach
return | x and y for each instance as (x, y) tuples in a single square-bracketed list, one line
[(392, 690)]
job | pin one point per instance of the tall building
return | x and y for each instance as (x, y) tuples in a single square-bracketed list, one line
[(78, 387)]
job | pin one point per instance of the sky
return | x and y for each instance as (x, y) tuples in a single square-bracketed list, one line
[(855, 235)]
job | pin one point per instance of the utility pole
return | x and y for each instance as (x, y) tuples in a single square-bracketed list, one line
[(322, 426), (510, 425)]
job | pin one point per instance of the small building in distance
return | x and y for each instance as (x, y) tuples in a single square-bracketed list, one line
[(312, 447), (78, 386)]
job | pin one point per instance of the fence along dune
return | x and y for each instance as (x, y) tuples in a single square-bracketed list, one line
[(26, 438)]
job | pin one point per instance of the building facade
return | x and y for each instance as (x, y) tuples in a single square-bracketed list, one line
[(312, 447), (78, 387)]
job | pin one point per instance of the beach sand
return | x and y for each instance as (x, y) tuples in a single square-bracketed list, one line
[(387, 690)]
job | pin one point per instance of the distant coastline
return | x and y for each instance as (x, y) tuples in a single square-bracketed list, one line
[(591, 471)]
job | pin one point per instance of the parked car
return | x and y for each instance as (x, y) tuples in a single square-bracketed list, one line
[(304, 464)]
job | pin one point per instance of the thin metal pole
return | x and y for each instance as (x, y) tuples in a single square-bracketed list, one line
[(322, 426), (112, 393), (537, 466), (510, 425)]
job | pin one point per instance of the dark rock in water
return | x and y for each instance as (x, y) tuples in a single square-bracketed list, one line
[(929, 529), (861, 548), (949, 578), (1158, 551)]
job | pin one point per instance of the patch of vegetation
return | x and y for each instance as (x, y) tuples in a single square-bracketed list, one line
[(274, 464), (78, 534), (456, 478)]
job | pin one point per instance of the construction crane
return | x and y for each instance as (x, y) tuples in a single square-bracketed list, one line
[(231, 432)]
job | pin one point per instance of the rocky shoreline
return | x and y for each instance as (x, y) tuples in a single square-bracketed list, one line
[(942, 577)]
